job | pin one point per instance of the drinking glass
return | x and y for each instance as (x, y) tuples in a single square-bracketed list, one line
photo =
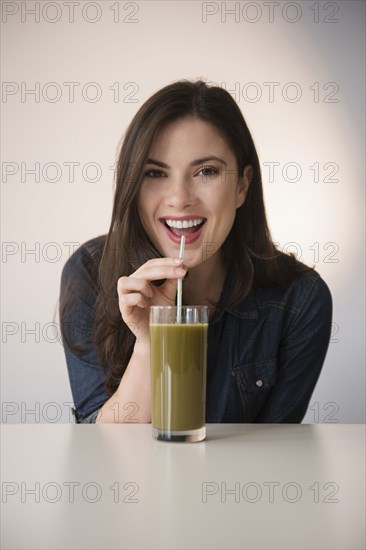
[(178, 342)]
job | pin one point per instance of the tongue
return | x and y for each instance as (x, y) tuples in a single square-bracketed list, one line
[(186, 231)]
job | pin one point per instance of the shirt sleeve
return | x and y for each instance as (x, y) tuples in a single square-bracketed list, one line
[(90, 419), (301, 356), (85, 374)]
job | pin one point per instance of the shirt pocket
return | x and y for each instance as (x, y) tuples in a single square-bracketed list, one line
[(254, 381)]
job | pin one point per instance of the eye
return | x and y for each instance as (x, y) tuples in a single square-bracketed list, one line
[(154, 174), (208, 171)]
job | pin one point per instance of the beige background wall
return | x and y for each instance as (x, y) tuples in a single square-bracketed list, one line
[(297, 72)]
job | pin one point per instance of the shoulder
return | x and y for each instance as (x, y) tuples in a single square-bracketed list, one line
[(307, 290), (83, 265), (87, 255)]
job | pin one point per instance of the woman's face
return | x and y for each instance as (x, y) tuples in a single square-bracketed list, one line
[(190, 188)]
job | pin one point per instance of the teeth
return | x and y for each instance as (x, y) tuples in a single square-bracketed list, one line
[(179, 224)]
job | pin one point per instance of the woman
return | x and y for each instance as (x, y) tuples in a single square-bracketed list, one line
[(188, 165)]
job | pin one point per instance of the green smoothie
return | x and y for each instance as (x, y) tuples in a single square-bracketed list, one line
[(178, 375)]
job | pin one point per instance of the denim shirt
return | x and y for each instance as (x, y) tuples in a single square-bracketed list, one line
[(264, 355)]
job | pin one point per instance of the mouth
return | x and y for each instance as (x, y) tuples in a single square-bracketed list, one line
[(189, 226)]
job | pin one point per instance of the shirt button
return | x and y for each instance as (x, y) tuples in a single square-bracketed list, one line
[(259, 383)]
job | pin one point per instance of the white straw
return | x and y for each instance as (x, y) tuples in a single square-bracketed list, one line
[(179, 289)]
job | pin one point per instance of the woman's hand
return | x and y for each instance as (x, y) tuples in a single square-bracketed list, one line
[(136, 293)]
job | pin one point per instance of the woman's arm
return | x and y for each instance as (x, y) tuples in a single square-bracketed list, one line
[(78, 287), (132, 400), (301, 357)]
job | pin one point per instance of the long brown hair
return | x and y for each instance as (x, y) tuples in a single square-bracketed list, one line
[(248, 248)]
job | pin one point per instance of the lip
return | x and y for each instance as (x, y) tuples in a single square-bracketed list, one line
[(189, 238)]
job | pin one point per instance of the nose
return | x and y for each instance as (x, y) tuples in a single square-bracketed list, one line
[(180, 194)]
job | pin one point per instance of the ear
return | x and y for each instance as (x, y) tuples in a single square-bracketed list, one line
[(243, 185)]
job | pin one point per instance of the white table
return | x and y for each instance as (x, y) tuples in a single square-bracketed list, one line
[(247, 486)]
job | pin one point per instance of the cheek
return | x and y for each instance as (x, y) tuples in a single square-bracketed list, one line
[(148, 199), (143, 202), (225, 217), (225, 209), (146, 207)]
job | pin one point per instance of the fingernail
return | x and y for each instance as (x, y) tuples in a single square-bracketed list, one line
[(180, 272), (178, 260)]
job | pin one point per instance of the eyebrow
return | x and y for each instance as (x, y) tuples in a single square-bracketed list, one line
[(193, 163)]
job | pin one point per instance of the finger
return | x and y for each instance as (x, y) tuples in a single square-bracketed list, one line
[(160, 262), (126, 284), (155, 273), (171, 260), (128, 301)]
